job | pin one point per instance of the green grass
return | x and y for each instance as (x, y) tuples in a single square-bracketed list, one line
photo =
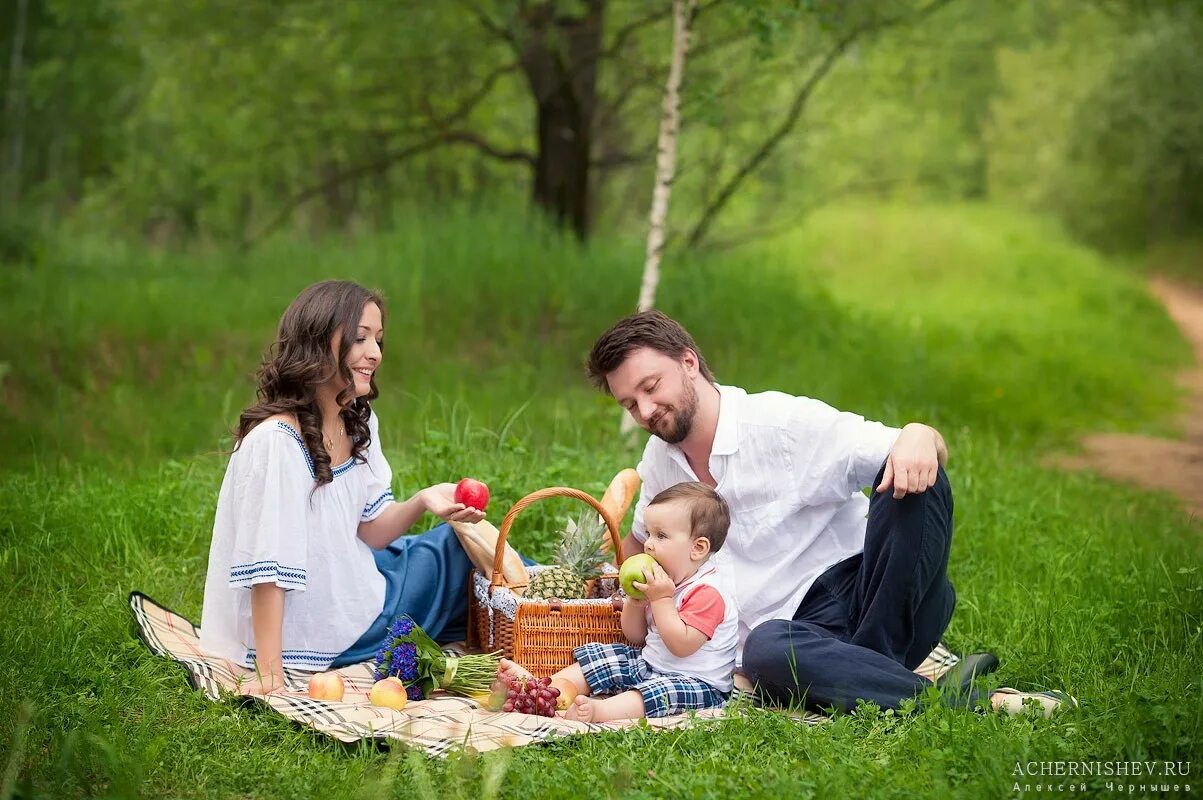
[(124, 370)]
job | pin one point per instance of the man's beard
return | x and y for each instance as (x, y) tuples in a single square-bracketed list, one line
[(679, 419)]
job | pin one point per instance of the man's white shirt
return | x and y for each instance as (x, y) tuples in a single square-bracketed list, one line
[(792, 470)]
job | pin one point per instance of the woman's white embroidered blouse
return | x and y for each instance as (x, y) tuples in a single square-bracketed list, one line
[(272, 526)]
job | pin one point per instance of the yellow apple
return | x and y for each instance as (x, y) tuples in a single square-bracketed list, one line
[(567, 693), (327, 686), (389, 693)]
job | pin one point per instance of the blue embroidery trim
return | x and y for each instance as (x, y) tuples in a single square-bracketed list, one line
[(339, 470), (300, 653), (296, 657), (374, 506), (244, 574)]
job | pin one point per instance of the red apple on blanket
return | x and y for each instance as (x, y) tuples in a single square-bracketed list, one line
[(327, 686), (632, 570), (389, 693), (472, 492)]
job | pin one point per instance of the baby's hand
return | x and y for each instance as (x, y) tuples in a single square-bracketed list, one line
[(657, 585)]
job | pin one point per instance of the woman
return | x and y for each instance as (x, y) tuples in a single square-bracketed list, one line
[(307, 567)]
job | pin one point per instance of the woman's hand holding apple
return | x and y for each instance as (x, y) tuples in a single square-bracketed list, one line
[(440, 501), (472, 493)]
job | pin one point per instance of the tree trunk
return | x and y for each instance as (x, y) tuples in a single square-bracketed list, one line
[(559, 55), (666, 164), (666, 152)]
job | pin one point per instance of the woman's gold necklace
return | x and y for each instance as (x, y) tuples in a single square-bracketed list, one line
[(342, 434)]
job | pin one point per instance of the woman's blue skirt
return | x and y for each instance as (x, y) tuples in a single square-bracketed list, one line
[(426, 577)]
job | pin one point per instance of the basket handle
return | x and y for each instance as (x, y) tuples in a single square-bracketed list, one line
[(543, 494)]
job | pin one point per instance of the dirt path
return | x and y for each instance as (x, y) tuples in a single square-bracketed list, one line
[(1163, 464)]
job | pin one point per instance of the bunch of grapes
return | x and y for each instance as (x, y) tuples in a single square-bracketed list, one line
[(530, 696)]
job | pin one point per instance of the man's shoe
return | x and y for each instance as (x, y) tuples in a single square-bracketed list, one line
[(959, 677), (744, 691), (1014, 702)]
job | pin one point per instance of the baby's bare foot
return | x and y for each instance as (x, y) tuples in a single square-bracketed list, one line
[(582, 710), (510, 669)]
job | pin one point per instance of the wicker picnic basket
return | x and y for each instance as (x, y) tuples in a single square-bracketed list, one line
[(541, 634)]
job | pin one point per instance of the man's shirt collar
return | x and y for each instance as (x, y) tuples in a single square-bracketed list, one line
[(726, 435)]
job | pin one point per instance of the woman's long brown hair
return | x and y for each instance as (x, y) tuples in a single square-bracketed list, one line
[(300, 361)]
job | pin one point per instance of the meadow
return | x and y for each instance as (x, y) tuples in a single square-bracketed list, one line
[(122, 371)]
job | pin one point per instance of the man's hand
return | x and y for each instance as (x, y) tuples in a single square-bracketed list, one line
[(914, 461), (657, 585)]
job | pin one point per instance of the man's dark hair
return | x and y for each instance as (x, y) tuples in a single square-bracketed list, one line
[(709, 516), (645, 329)]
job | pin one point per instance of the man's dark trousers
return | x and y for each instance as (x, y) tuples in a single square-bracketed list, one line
[(869, 620)]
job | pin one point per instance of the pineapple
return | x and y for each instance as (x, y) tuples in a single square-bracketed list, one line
[(555, 581), (578, 559)]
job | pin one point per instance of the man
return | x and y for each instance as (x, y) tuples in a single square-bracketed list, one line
[(840, 596)]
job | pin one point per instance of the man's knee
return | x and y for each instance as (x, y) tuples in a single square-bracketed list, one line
[(938, 494), (762, 648), (772, 651), (759, 640)]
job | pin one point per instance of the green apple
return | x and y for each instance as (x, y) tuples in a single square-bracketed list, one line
[(632, 570)]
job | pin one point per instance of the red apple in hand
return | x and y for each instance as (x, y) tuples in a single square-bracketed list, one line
[(472, 493)]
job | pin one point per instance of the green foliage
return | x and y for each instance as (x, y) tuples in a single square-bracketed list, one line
[(80, 80), (219, 120), (21, 240), (894, 312), (1139, 147), (1109, 137), (270, 102)]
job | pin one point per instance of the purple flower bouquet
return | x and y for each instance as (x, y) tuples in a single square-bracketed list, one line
[(417, 660)]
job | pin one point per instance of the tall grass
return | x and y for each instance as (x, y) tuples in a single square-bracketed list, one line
[(967, 317), (125, 370)]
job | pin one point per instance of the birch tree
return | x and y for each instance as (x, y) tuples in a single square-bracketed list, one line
[(666, 164), (666, 152)]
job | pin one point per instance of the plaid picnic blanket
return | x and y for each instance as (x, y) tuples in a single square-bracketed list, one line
[(436, 725)]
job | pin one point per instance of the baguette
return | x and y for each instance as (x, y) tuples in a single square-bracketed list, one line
[(620, 494), (479, 541)]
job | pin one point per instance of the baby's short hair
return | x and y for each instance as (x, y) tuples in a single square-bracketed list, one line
[(709, 516)]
